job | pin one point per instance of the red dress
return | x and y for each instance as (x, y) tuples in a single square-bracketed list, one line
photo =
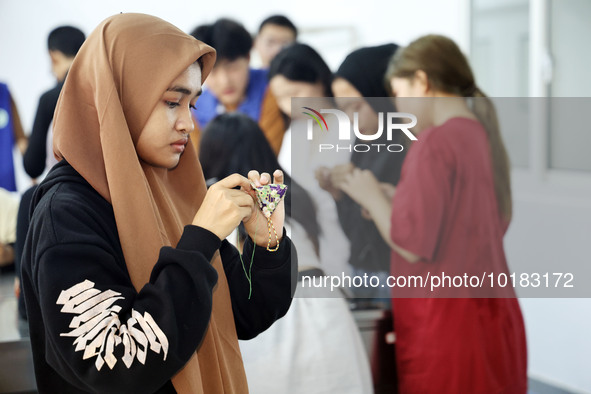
[(446, 212)]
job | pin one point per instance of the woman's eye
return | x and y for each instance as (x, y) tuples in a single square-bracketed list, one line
[(172, 104), (192, 106)]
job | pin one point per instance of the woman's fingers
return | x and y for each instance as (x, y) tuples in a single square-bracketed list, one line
[(346, 184), (278, 176), (265, 178), (240, 197), (245, 213), (234, 180), (255, 177), (349, 178)]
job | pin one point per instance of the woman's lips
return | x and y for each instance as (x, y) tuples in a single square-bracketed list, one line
[(179, 145)]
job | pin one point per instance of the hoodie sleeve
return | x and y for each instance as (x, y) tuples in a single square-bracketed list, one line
[(100, 334), (273, 276)]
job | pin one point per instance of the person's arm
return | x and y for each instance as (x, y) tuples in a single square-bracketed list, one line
[(354, 225), (35, 156), (19, 133), (364, 188), (273, 274), (381, 213), (420, 208), (271, 271), (102, 335)]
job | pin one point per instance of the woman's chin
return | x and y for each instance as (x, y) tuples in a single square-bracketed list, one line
[(167, 164)]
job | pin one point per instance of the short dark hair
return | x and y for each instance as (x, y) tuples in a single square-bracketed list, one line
[(66, 39), (229, 38), (279, 20), (301, 63)]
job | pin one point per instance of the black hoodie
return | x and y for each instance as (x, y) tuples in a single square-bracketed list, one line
[(92, 332)]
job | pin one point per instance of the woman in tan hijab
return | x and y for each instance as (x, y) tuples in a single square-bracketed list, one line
[(127, 283)]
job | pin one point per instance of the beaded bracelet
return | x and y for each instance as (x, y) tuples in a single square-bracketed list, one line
[(268, 197)]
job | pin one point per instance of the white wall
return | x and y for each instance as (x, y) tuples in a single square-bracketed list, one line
[(552, 209), (25, 24), (552, 226)]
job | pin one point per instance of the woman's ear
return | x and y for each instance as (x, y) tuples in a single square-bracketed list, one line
[(421, 83)]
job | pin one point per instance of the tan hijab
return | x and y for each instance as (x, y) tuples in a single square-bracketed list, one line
[(117, 78)]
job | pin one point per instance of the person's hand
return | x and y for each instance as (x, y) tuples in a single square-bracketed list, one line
[(224, 207), (363, 187), (365, 214), (339, 174), (22, 144), (322, 175), (388, 189), (256, 224), (6, 254), (331, 179), (17, 287)]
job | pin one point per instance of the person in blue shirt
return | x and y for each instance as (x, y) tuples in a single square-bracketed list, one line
[(233, 85), (11, 135)]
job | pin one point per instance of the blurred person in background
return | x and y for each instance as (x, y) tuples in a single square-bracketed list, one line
[(233, 86), (11, 136), (275, 33), (63, 44), (298, 71), (449, 214), (359, 79), (316, 347), (359, 87)]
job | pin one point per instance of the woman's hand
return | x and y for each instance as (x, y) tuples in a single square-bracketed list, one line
[(339, 173), (322, 175), (224, 207), (375, 199), (331, 179), (256, 223), (388, 189), (22, 144), (363, 188)]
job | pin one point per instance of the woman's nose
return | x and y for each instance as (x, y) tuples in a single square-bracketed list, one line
[(185, 122)]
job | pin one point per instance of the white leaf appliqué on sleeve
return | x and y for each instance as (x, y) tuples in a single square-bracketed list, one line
[(98, 331)]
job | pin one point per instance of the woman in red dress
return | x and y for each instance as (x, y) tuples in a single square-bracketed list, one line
[(447, 218)]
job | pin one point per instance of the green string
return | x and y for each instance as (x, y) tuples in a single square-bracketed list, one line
[(249, 273)]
